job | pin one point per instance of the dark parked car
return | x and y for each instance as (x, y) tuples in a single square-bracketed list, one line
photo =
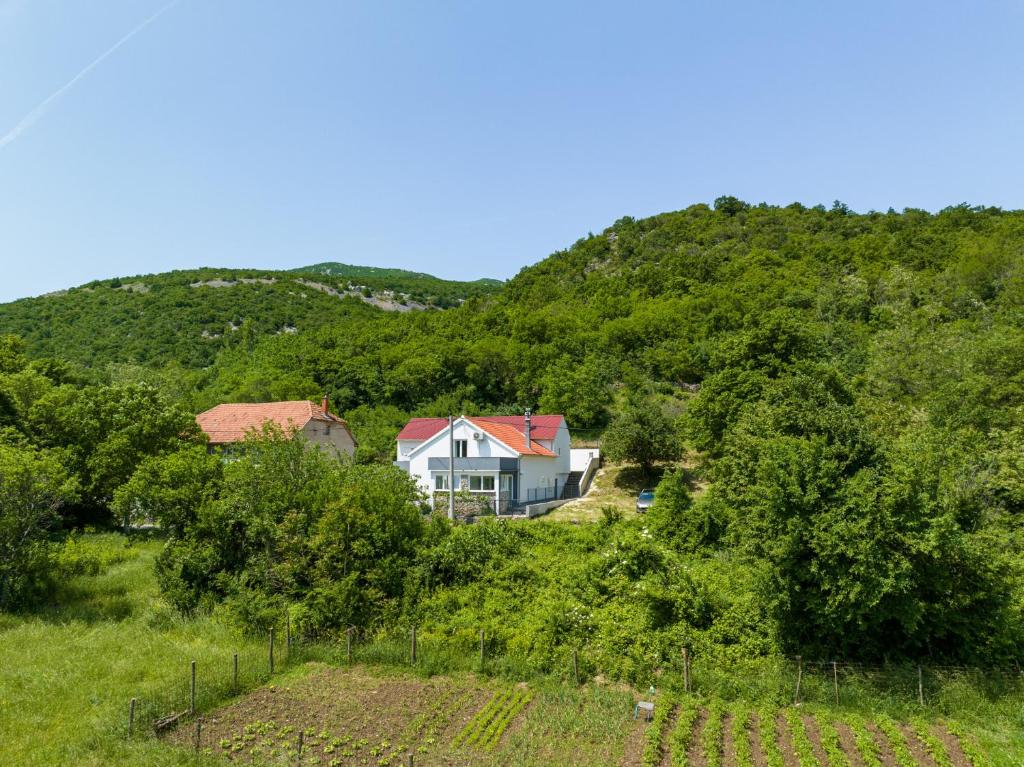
[(644, 500)]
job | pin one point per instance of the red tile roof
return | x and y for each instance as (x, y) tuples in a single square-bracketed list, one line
[(231, 422), (509, 429), (511, 436)]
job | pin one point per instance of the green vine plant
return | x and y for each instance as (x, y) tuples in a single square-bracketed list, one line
[(801, 743), (652, 737), (711, 737), (770, 738), (741, 737), (968, 744), (682, 734), (931, 743), (831, 743), (896, 741), (868, 749)]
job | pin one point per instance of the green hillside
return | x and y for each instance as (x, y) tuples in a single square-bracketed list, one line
[(187, 317), (846, 388), (402, 279)]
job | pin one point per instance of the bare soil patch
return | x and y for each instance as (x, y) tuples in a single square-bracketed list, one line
[(953, 748), (755, 742), (695, 754), (814, 735), (634, 744), (728, 744), (666, 749), (917, 748), (849, 744), (886, 755), (346, 716), (789, 757)]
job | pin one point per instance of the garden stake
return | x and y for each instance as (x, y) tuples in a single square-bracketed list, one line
[(131, 717), (575, 666), (348, 644), (271, 649), (234, 684), (920, 687), (799, 675), (301, 734), (481, 652), (686, 670), (192, 691), (199, 732), (835, 680), (410, 760), (288, 633), (413, 647)]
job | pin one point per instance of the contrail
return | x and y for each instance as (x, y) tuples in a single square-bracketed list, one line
[(33, 117)]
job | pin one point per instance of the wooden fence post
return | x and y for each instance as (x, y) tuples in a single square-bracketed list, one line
[(575, 665), (131, 717), (192, 691), (686, 670), (413, 646), (234, 682), (271, 649), (481, 649), (799, 676), (288, 633), (348, 645), (920, 687), (835, 680)]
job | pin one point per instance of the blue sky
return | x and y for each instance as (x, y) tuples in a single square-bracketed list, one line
[(471, 139)]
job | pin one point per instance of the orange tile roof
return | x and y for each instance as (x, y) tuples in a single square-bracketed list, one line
[(511, 436), (231, 422)]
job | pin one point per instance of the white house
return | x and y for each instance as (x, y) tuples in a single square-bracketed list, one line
[(507, 461)]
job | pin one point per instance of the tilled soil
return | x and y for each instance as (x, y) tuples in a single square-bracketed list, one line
[(917, 748), (695, 754), (372, 714), (789, 757), (633, 754), (666, 749), (728, 744), (953, 748), (814, 735), (887, 757), (755, 742), (849, 744)]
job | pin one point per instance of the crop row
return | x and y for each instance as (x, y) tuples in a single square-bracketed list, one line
[(490, 722), (802, 729)]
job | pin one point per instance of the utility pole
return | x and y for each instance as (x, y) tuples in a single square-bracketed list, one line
[(451, 467)]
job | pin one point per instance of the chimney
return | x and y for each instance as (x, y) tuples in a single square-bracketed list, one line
[(526, 428), (324, 404)]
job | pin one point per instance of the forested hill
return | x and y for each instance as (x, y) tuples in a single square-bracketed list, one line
[(400, 279), (186, 317), (849, 389)]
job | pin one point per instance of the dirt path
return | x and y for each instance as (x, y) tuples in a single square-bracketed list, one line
[(814, 735), (953, 748), (633, 754), (849, 744), (887, 757), (917, 748), (755, 741), (695, 754), (789, 757), (728, 745)]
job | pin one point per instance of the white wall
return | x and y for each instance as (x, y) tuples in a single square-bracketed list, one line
[(438, 447), (580, 457)]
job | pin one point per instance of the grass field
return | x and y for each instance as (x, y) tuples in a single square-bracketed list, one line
[(68, 672)]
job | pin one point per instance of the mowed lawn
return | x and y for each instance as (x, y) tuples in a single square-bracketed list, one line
[(67, 674)]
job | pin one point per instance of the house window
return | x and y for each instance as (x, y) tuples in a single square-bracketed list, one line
[(461, 448), (481, 483), (440, 481)]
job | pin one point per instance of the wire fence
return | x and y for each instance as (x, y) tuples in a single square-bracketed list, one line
[(202, 686)]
